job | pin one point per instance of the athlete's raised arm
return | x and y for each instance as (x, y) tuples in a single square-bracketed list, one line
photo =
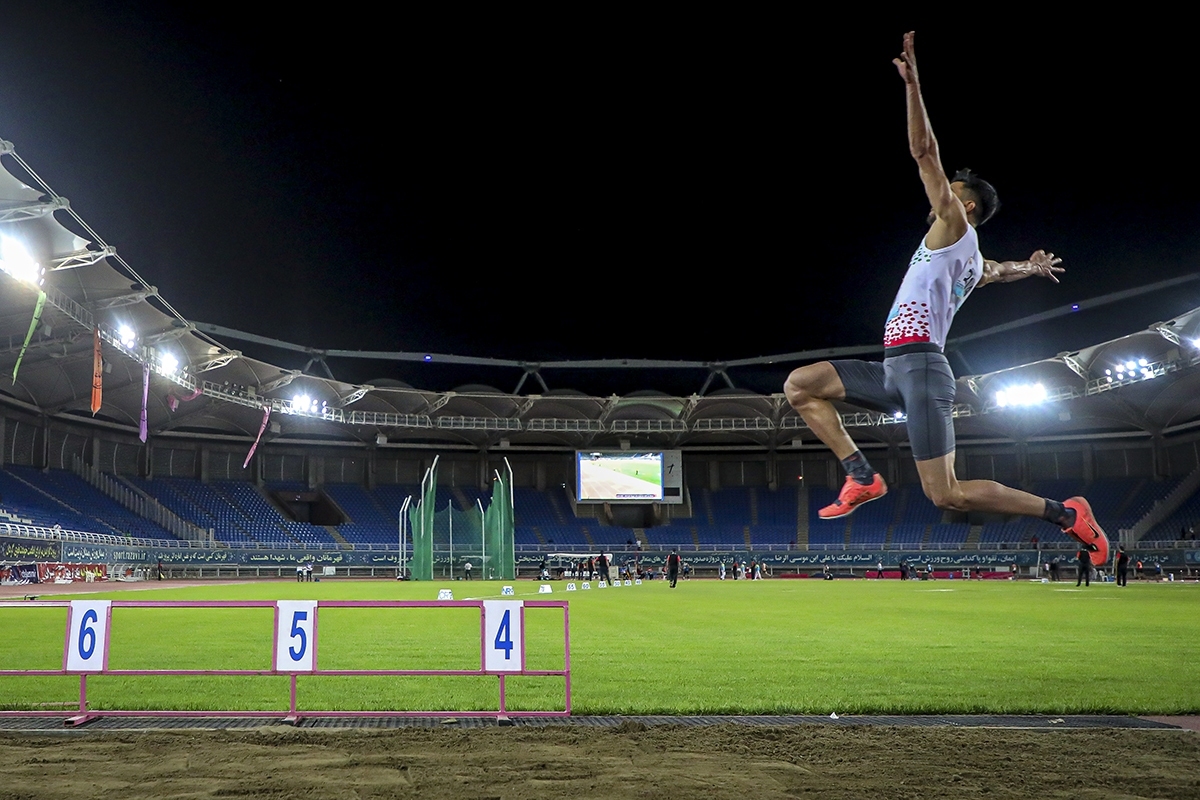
[(951, 216), (1041, 264)]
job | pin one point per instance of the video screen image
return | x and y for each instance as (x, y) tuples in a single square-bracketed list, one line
[(620, 476)]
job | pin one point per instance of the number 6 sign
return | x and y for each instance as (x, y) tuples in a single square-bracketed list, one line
[(87, 635), (295, 636)]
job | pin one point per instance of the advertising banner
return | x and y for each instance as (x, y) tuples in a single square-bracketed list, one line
[(50, 572), (19, 573), (29, 550)]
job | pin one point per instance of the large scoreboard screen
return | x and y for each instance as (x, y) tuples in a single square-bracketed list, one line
[(624, 476)]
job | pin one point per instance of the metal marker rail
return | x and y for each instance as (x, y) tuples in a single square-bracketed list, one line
[(294, 653)]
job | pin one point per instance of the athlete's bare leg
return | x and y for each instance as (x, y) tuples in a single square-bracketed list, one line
[(948, 492), (809, 390)]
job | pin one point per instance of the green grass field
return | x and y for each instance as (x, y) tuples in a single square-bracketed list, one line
[(777, 646)]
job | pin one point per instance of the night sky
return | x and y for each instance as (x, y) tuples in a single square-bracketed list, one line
[(600, 183)]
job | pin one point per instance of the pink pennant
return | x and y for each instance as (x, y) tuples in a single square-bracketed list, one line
[(142, 431), (261, 428)]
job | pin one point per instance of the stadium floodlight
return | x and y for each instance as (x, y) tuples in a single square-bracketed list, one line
[(1131, 365), (899, 416), (16, 261), (126, 336), (1023, 395), (303, 404), (168, 363), (1142, 362)]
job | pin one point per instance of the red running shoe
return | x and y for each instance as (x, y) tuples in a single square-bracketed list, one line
[(1086, 531), (853, 495)]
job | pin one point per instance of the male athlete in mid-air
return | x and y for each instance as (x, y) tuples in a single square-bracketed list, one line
[(914, 376)]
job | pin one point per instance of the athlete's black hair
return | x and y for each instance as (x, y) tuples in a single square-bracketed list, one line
[(987, 202)]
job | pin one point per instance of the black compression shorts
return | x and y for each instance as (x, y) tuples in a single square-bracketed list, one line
[(919, 384)]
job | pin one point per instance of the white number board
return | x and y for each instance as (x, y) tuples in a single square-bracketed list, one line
[(87, 635), (295, 636), (504, 636)]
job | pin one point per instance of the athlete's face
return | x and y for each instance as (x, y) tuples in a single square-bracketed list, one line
[(957, 188)]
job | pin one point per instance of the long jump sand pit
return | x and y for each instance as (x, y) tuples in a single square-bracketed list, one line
[(627, 761)]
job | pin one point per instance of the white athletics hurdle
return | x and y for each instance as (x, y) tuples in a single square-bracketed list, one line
[(294, 652)]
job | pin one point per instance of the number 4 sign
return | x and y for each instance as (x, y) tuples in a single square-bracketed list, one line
[(504, 636), (295, 636)]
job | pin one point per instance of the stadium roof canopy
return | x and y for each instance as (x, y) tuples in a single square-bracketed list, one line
[(1146, 383)]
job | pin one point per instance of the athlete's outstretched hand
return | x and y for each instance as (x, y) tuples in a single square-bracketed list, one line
[(1045, 265), (906, 64), (1041, 264)]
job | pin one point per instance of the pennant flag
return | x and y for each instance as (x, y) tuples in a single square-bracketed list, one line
[(97, 372), (261, 428), (142, 432), (37, 317), (173, 401)]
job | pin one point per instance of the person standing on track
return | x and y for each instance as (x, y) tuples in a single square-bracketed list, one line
[(1085, 568), (1122, 567), (673, 567), (915, 377), (602, 568)]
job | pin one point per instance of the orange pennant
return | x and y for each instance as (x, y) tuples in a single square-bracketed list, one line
[(97, 372)]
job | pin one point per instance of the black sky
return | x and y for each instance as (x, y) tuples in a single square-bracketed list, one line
[(703, 187)]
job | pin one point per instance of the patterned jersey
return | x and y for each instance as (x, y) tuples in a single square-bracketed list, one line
[(936, 284)]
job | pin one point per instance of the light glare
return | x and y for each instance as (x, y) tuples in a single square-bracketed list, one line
[(1024, 395), (16, 261)]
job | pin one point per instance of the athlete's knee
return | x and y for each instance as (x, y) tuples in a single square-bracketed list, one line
[(795, 388), (811, 382), (948, 498)]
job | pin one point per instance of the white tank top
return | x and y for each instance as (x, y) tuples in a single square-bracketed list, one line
[(936, 284)]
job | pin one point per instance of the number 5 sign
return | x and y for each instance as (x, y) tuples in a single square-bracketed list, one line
[(87, 635), (295, 636), (503, 635)]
